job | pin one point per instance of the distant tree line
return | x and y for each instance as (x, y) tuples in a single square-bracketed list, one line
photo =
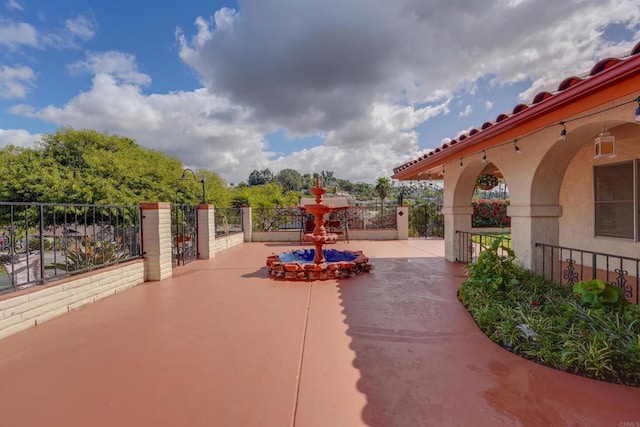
[(86, 166)]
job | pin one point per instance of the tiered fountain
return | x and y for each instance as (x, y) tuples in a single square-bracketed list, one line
[(317, 264)]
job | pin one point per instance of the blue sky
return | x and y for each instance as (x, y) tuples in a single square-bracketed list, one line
[(352, 86)]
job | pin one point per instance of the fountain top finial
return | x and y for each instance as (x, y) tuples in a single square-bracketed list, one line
[(318, 191)]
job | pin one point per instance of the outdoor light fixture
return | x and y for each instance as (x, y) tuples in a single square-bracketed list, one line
[(563, 132), (638, 111), (484, 156), (515, 146), (184, 177), (605, 145)]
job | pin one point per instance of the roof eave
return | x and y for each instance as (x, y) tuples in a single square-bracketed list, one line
[(611, 76)]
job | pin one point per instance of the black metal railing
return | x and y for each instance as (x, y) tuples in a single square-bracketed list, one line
[(353, 218), (371, 217), (470, 244), (228, 221), (426, 220), (569, 266), (184, 234), (43, 242)]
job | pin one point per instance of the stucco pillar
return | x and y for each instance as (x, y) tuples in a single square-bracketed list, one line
[(247, 223), (402, 222), (156, 240), (206, 231), (456, 218), (534, 224)]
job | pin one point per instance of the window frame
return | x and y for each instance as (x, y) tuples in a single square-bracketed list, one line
[(635, 200)]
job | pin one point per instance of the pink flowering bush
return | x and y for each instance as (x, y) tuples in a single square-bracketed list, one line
[(490, 213)]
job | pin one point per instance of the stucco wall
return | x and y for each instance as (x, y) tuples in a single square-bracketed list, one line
[(577, 200), (32, 306)]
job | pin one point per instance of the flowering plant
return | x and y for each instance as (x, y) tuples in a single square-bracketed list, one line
[(487, 181)]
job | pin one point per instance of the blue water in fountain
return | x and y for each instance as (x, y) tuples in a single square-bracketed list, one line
[(305, 256)]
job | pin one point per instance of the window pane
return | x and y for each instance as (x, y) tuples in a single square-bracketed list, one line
[(614, 182), (614, 219)]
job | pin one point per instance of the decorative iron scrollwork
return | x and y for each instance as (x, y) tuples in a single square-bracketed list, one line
[(570, 272), (621, 282)]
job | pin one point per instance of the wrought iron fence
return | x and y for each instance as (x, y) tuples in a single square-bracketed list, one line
[(184, 234), (426, 220), (43, 242), (277, 219), (371, 217), (228, 221), (470, 244), (353, 218), (569, 265)]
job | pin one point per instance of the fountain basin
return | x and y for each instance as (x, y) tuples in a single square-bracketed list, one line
[(299, 265)]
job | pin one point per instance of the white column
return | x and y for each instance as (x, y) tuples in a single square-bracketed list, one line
[(535, 224), (156, 240), (402, 222), (247, 223), (206, 231)]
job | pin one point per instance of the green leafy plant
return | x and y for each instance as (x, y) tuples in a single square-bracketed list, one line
[(94, 254), (544, 321), (487, 181), (596, 293), (495, 267)]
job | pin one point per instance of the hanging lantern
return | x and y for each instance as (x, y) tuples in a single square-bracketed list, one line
[(605, 145)]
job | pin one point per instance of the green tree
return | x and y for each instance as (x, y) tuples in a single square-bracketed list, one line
[(262, 177), (85, 166), (289, 179), (382, 189)]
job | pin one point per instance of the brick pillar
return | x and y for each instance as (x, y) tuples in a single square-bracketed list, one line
[(247, 223), (402, 221), (156, 240), (206, 231)]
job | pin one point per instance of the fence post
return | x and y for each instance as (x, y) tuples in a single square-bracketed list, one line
[(402, 222), (156, 240), (247, 223), (206, 231)]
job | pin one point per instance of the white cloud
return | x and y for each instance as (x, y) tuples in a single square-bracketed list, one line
[(79, 29), (14, 34), (364, 74), (120, 66), (18, 137), (311, 70), (202, 129), (15, 82), (13, 5), (467, 111)]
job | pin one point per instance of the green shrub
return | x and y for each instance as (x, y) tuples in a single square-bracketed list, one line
[(596, 293), (547, 323), (495, 267), (34, 244)]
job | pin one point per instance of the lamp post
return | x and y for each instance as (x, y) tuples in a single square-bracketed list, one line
[(183, 177)]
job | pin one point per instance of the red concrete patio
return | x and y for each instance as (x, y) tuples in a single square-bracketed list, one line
[(220, 344)]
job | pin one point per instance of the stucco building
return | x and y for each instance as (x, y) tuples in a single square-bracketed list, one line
[(571, 160)]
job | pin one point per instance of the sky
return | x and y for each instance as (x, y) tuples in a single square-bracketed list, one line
[(351, 86)]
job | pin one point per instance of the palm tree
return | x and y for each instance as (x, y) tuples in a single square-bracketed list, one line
[(383, 188)]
